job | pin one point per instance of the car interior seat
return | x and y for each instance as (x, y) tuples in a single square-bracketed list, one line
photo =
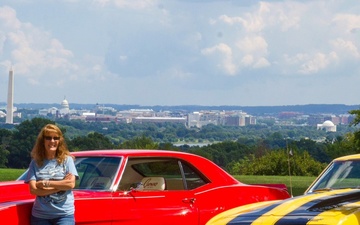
[(152, 184)]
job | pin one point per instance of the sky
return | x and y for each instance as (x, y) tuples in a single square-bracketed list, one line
[(181, 52)]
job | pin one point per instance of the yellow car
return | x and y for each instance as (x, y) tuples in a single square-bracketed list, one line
[(333, 198)]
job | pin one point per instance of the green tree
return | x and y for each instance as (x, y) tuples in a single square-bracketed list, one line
[(341, 145), (278, 162), (23, 140), (223, 153), (142, 142), (5, 138), (90, 142), (355, 122)]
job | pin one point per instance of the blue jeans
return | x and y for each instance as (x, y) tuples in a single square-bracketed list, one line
[(64, 220)]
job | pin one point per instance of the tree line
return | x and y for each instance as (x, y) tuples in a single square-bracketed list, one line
[(253, 151)]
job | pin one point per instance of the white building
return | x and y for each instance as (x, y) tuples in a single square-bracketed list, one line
[(64, 108), (328, 126), (2, 114)]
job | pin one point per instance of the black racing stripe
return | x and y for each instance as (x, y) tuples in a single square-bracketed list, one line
[(248, 218), (306, 212)]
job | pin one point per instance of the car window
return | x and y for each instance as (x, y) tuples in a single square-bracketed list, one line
[(344, 174), (178, 174), (96, 172), (23, 175)]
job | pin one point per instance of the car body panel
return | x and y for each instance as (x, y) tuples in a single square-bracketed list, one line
[(111, 189), (333, 198), (150, 206)]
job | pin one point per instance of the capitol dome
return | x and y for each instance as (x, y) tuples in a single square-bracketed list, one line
[(64, 109), (65, 104)]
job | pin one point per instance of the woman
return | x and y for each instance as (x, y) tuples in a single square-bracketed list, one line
[(51, 178)]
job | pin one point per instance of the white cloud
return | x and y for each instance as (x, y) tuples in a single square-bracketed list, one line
[(254, 45), (252, 23), (255, 50), (132, 4), (226, 62), (32, 49), (8, 19), (348, 22), (285, 15), (348, 48), (262, 62), (116, 45), (318, 62)]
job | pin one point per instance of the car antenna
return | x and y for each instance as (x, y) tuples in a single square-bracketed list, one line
[(289, 154)]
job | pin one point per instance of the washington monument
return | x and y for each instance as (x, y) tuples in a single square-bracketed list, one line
[(10, 99)]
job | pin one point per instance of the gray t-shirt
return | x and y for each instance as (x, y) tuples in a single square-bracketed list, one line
[(57, 204)]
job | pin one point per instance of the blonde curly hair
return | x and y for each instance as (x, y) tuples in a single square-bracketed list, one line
[(38, 152)]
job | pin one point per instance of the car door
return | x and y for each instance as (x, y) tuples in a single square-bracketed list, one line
[(93, 194), (155, 208), (93, 207), (172, 204)]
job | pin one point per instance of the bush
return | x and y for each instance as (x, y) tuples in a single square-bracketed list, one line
[(278, 162)]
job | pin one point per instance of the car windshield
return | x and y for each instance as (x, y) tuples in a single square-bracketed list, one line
[(339, 175)]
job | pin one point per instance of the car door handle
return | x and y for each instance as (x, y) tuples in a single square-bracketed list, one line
[(189, 200)]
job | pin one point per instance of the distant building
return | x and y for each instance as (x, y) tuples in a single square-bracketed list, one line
[(288, 115), (2, 114), (199, 119), (49, 111), (313, 120), (328, 126), (159, 120), (233, 121), (346, 118), (63, 111), (101, 118), (250, 120), (226, 118), (64, 108), (239, 120), (193, 119), (135, 113), (332, 118)]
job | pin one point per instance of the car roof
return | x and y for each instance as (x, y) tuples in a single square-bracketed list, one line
[(131, 152), (348, 157), (201, 163)]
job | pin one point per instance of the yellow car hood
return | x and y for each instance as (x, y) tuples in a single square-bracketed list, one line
[(319, 208)]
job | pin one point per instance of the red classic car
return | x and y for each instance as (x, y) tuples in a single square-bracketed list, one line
[(152, 187)]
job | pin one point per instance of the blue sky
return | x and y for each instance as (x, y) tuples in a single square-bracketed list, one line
[(181, 52)]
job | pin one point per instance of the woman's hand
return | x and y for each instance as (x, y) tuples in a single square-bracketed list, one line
[(68, 176), (39, 188)]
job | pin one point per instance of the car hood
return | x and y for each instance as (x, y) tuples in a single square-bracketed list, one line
[(317, 208)]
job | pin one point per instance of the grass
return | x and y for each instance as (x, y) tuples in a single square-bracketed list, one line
[(10, 174), (298, 184)]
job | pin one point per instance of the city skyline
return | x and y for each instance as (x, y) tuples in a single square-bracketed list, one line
[(181, 52)]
